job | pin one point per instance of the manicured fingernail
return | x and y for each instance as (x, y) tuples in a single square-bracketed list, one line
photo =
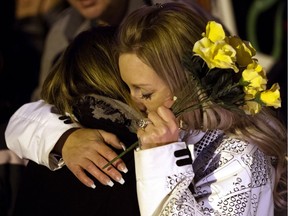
[(123, 146), (110, 183), (123, 168), (121, 181), (93, 186)]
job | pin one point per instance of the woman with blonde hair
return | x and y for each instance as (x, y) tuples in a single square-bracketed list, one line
[(210, 145)]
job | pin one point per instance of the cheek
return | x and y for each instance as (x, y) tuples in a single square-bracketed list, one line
[(168, 103), (164, 99), (153, 104)]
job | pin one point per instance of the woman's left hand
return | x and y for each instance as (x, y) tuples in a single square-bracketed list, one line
[(162, 129)]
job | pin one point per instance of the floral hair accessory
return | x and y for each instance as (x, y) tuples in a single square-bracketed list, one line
[(228, 73)]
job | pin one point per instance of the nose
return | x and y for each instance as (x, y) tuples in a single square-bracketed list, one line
[(140, 105)]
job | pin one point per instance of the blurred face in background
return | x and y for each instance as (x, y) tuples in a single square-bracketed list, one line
[(91, 9)]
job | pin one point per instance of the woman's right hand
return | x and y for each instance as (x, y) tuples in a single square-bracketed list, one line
[(87, 149), (163, 129)]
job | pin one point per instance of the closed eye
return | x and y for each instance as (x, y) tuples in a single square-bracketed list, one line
[(146, 96)]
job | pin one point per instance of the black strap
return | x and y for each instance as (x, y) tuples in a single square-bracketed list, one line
[(183, 161)]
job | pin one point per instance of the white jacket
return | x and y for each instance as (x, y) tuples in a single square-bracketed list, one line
[(225, 177), (33, 130)]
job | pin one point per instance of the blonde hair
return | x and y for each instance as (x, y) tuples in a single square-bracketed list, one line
[(87, 66), (160, 35)]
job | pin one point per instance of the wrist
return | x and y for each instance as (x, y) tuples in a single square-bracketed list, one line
[(60, 143)]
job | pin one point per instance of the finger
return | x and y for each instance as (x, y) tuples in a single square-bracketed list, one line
[(102, 175), (109, 155), (166, 114), (155, 118), (167, 118), (142, 123), (81, 175), (90, 167), (164, 128), (140, 132), (158, 123), (111, 139)]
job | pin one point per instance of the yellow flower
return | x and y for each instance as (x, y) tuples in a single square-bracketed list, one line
[(214, 31), (256, 77), (244, 50), (214, 50), (250, 92), (220, 54), (251, 107), (271, 97)]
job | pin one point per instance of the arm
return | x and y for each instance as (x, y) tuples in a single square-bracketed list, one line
[(33, 131), (160, 179), (164, 168), (237, 181), (227, 176)]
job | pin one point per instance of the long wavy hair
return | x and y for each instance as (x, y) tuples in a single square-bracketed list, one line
[(160, 35), (87, 66)]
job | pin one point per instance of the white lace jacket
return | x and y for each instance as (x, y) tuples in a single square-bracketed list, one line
[(227, 177)]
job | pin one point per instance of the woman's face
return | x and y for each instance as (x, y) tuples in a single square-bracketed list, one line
[(147, 89), (90, 9)]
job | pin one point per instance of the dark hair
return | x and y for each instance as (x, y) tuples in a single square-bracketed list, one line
[(87, 66)]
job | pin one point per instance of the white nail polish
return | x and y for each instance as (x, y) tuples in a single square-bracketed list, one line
[(123, 146), (121, 181), (124, 169), (93, 186), (110, 183)]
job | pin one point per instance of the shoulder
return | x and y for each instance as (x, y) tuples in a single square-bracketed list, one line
[(69, 17), (68, 12), (248, 153), (246, 158), (232, 155), (235, 146)]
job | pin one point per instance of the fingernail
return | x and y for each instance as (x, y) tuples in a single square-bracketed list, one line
[(93, 186), (123, 168), (110, 183), (123, 146), (121, 180)]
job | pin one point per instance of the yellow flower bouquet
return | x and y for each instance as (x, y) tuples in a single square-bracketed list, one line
[(231, 77)]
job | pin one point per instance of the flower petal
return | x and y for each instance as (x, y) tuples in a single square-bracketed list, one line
[(271, 97), (244, 51), (214, 31), (251, 107)]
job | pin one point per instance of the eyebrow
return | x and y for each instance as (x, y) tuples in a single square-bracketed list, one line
[(140, 85)]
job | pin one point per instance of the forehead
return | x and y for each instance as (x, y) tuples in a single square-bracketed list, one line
[(135, 72)]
